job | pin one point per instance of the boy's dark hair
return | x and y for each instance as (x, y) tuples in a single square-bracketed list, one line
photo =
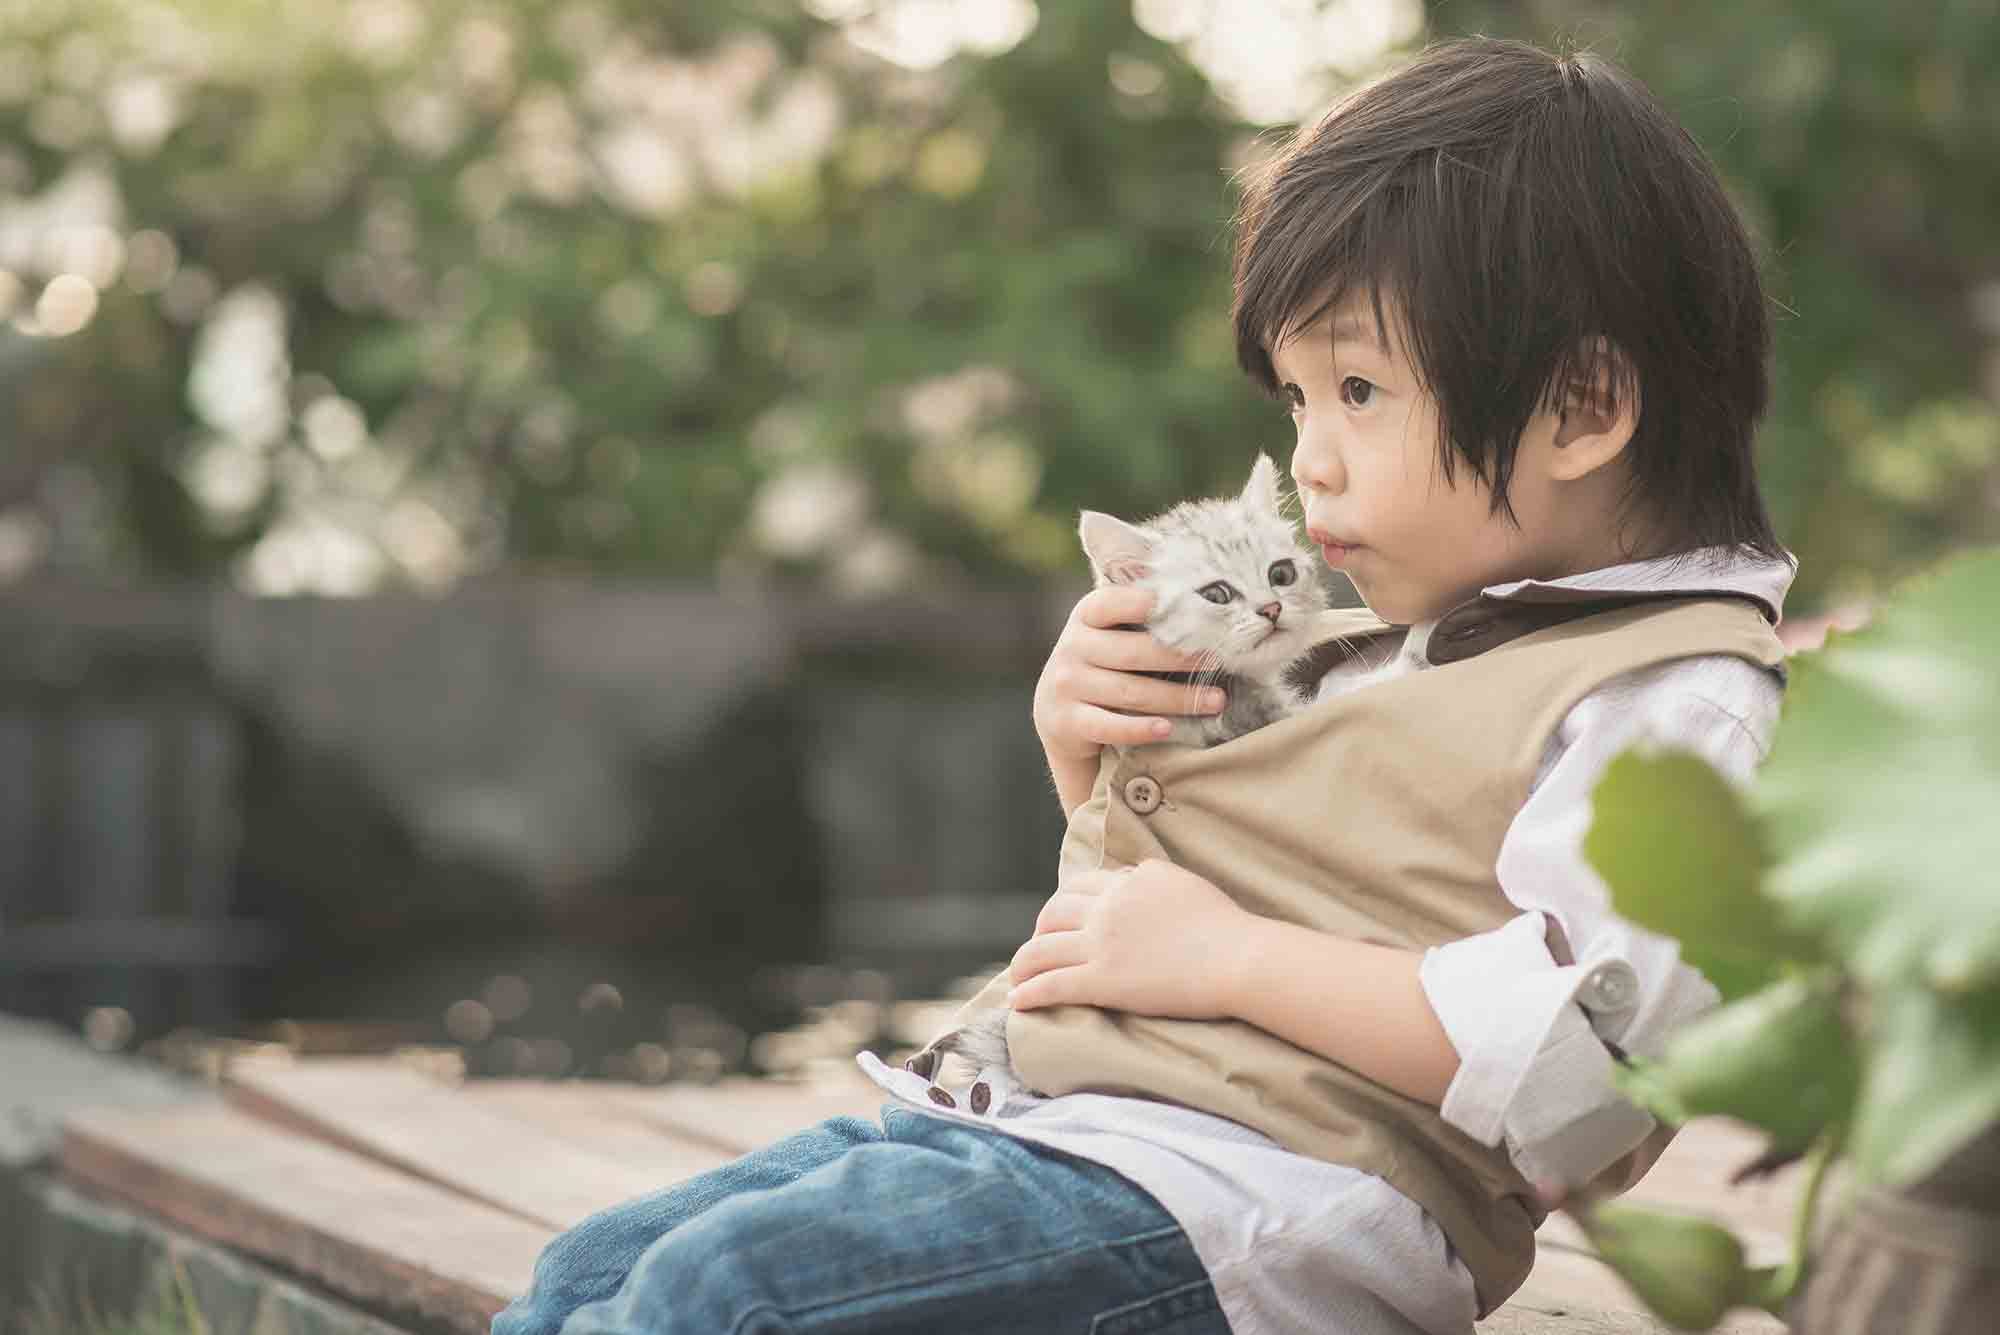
[(1520, 205)]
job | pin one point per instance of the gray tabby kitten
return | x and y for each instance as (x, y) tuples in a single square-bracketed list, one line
[(1233, 585)]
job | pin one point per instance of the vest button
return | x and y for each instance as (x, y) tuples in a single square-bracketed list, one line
[(1143, 795)]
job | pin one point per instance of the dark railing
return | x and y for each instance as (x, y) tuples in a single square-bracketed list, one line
[(217, 809)]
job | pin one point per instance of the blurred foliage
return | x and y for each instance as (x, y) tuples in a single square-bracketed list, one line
[(1858, 865), (376, 291)]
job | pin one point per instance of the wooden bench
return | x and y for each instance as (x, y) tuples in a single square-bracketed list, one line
[(424, 1201)]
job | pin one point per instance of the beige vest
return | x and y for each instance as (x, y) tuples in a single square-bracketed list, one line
[(1376, 815)]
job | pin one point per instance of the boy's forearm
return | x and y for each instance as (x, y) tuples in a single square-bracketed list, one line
[(1358, 1004)]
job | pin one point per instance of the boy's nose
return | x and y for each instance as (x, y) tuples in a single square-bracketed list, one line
[(1269, 611), (1316, 468)]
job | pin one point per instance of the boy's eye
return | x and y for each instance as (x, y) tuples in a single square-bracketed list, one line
[(1217, 592), (1295, 398), (1357, 397), (1283, 573)]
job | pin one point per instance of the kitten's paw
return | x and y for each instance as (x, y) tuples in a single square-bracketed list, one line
[(981, 1040)]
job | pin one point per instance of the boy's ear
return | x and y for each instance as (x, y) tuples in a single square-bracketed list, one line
[(1597, 418), (1119, 552), (1261, 492)]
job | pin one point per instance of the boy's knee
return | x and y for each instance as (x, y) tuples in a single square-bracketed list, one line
[(580, 1266), (530, 1314), (677, 1289)]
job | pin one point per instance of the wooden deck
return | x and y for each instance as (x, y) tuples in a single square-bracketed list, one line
[(418, 1196)]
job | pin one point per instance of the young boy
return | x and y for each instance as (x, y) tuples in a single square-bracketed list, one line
[(1319, 1019)]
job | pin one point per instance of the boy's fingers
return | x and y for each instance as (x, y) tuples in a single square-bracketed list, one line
[(1051, 950), (1108, 729), (1114, 605), (1064, 911), (1134, 694), (1133, 651), (1049, 988)]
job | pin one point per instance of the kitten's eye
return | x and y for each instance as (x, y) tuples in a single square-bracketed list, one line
[(1359, 398), (1217, 592), (1283, 573)]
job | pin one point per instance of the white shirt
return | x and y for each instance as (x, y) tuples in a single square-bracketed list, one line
[(1294, 1244)]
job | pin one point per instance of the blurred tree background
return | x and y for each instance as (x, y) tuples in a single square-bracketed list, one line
[(342, 295)]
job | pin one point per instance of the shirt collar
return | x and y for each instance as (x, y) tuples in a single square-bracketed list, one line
[(1502, 611), (1712, 570)]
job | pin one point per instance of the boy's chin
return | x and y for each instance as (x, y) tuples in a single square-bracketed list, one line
[(1389, 607), (1407, 603)]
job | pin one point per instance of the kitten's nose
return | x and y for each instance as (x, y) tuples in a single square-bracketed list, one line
[(1269, 611)]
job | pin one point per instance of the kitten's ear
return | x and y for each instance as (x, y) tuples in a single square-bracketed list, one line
[(1119, 552), (1261, 493)]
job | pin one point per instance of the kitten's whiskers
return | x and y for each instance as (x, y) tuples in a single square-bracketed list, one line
[(1208, 667)]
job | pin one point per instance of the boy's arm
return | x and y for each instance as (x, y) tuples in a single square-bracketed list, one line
[(1536, 1008), (1504, 1031), (1359, 1004)]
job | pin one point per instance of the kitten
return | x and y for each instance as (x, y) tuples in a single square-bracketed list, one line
[(1234, 585)]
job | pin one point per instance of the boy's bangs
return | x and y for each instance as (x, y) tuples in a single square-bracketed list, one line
[(1294, 273), (1408, 237)]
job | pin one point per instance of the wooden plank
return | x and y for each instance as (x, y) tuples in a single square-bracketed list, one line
[(549, 1153), (1571, 1289), (362, 1229), (45, 1073), (1569, 1277), (1562, 1234), (398, 1116), (1694, 1175), (1518, 1318), (740, 1114), (1568, 1282), (578, 1112)]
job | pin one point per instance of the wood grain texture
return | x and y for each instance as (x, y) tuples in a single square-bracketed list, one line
[(1694, 1175), (581, 1114), (1571, 1292), (431, 1130), (399, 1189), (740, 1114), (369, 1232)]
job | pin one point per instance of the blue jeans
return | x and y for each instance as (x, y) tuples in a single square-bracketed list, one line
[(917, 1225)]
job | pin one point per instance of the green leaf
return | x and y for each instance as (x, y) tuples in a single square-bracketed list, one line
[(1689, 1271), (1781, 1059), (1643, 1082), (1932, 1081), (1881, 799), (1682, 856)]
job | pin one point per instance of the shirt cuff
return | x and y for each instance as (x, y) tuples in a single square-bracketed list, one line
[(1533, 1069), (1568, 1122)]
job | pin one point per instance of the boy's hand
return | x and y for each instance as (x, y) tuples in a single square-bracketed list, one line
[(1091, 695), (1152, 939)]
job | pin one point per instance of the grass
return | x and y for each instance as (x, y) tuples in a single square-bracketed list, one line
[(171, 1310)]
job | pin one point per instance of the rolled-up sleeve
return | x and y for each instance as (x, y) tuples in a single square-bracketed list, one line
[(1535, 1071)]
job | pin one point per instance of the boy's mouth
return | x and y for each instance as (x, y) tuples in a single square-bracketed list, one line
[(1331, 549)]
